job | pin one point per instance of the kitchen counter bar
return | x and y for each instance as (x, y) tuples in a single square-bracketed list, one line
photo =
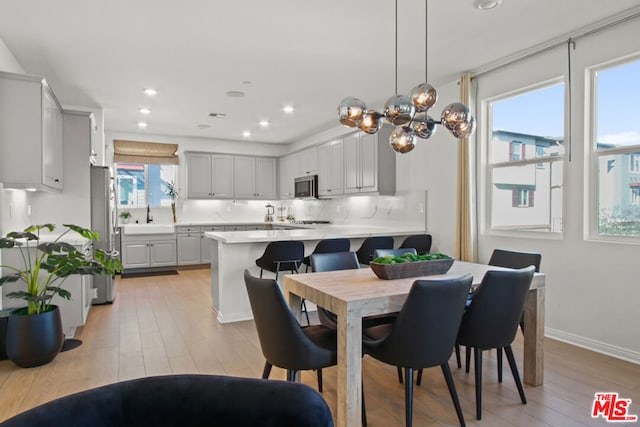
[(234, 251)]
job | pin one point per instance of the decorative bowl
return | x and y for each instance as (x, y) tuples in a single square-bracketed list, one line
[(411, 269)]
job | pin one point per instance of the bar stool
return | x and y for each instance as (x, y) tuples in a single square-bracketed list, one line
[(283, 255), (370, 244), (328, 246), (421, 243)]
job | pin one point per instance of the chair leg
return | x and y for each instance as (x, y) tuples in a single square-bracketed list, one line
[(408, 396), (514, 371), (261, 273), (400, 375), (457, 349), (467, 357), (303, 308), (499, 357), (267, 371), (477, 353), (291, 375), (419, 380), (319, 372), (364, 411), (446, 371)]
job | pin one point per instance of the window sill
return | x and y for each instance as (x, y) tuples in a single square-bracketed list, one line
[(544, 235)]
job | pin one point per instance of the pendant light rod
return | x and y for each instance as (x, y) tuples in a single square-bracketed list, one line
[(396, 47), (426, 40)]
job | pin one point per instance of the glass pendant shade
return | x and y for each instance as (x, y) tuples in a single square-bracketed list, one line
[(465, 128), (399, 109), (454, 114), (423, 96), (350, 111), (424, 126), (402, 139), (371, 122)]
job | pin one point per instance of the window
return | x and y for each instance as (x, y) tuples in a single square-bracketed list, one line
[(140, 184), (525, 160), (616, 141)]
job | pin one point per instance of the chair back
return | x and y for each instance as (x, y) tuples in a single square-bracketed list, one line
[(370, 244), (334, 261), (421, 243), (511, 259), (326, 246), (492, 318), (281, 338), (426, 328), (285, 254), (394, 252)]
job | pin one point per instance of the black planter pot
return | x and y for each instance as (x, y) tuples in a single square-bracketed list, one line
[(34, 340)]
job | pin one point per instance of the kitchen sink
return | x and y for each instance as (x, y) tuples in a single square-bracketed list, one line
[(148, 229)]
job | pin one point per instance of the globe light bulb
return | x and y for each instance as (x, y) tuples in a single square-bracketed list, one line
[(423, 97), (371, 122), (350, 111), (399, 109), (402, 139)]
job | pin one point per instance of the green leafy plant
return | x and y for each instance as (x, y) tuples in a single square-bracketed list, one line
[(45, 266), (171, 191), (409, 257), (125, 215)]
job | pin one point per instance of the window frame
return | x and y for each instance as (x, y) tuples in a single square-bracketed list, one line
[(146, 183), (592, 172), (485, 139)]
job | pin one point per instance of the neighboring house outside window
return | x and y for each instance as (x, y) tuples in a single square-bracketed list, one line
[(522, 198), (635, 195), (634, 163)]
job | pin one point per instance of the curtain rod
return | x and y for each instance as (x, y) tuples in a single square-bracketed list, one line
[(588, 30)]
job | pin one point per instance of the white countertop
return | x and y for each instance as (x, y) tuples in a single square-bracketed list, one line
[(317, 233)]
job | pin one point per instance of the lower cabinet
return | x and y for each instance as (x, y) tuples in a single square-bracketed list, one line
[(189, 250), (145, 253)]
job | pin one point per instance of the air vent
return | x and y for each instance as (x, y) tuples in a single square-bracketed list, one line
[(218, 115)]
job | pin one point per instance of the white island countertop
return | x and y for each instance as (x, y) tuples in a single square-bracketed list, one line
[(318, 232)]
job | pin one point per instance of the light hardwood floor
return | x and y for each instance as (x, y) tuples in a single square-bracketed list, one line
[(165, 325)]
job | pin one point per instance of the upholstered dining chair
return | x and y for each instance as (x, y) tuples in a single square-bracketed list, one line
[(492, 318), (423, 334), (394, 252), (183, 400), (421, 243), (326, 246), (370, 244)]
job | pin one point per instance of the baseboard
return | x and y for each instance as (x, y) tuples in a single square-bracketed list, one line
[(233, 317), (593, 345)]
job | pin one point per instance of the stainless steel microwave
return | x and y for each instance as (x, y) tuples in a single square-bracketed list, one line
[(306, 187)]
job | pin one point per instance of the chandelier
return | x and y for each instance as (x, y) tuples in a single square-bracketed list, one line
[(408, 113)]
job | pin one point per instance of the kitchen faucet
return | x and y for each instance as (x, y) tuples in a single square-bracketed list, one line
[(149, 217)]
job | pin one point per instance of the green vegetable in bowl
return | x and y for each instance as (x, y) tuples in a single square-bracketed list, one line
[(409, 257)]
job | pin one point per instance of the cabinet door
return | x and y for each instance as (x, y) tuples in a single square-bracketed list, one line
[(309, 162), (188, 248), (351, 164), (324, 176), (198, 176), (287, 175), (135, 254), (205, 249), (265, 178), (245, 177), (162, 252), (51, 141), (222, 176), (335, 167), (368, 152)]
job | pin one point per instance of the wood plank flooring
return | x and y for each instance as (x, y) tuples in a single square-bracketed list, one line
[(165, 325)]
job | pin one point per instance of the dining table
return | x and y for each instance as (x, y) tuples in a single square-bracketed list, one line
[(354, 294)]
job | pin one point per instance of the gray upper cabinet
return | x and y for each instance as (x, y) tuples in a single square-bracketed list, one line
[(286, 173), (209, 176), (30, 128), (369, 164), (330, 169), (255, 177)]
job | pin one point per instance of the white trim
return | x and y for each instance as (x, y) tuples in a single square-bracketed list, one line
[(593, 345)]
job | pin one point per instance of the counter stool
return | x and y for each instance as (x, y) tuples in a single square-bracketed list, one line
[(421, 243), (327, 246), (370, 244)]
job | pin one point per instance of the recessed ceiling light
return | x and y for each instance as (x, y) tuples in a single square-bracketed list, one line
[(486, 4), (235, 93), (246, 134), (288, 109), (150, 92), (142, 125), (145, 111), (30, 189), (203, 126), (218, 115), (247, 82), (264, 123)]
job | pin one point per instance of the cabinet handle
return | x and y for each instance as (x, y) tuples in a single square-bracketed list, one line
[(56, 180)]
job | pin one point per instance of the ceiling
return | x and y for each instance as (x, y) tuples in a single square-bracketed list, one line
[(307, 54)]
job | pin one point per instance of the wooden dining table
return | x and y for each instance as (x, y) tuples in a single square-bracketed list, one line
[(354, 294)]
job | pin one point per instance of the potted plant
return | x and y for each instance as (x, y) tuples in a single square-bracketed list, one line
[(34, 333), (171, 191), (125, 215)]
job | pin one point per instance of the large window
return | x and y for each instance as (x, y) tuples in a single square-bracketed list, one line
[(616, 148), (141, 184), (526, 146)]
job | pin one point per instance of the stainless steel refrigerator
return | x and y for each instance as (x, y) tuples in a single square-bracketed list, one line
[(103, 221)]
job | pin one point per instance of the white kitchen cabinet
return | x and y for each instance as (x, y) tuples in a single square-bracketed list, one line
[(162, 253), (145, 251), (209, 176), (254, 177), (369, 163), (31, 139), (308, 162), (286, 174), (330, 169), (189, 250), (135, 254)]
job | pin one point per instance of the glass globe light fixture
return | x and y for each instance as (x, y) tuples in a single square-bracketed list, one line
[(350, 111), (399, 109), (402, 139), (371, 122), (423, 96), (453, 114), (424, 127), (465, 128)]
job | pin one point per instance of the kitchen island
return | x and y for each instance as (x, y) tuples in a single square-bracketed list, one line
[(234, 251)]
